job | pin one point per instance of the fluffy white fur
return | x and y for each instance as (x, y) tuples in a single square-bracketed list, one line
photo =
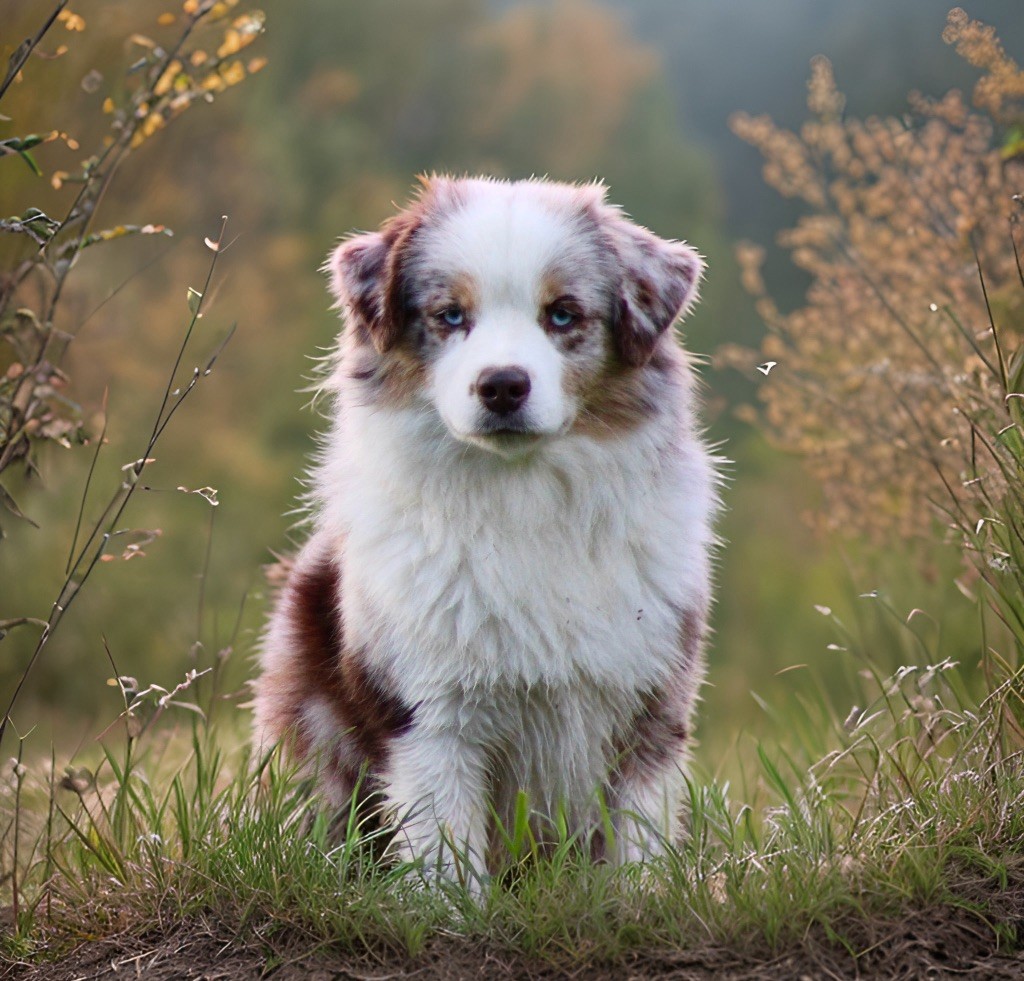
[(522, 595)]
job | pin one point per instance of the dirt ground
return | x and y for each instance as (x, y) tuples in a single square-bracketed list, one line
[(952, 940), (938, 943)]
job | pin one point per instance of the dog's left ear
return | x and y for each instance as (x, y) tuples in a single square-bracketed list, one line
[(658, 284), (366, 278)]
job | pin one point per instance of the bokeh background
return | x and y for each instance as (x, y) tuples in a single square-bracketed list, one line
[(355, 99)]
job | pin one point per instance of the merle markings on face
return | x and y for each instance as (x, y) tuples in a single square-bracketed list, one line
[(518, 310)]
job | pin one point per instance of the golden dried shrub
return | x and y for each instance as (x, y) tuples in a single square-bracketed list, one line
[(891, 381)]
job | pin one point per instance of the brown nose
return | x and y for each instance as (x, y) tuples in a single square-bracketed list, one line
[(503, 390)]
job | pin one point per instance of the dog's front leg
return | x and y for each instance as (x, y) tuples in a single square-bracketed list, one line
[(436, 792)]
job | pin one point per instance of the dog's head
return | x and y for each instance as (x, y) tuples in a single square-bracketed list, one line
[(520, 311)]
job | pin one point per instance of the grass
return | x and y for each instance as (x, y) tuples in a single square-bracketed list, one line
[(917, 806)]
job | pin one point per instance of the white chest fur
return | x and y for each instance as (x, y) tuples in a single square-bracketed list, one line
[(466, 571)]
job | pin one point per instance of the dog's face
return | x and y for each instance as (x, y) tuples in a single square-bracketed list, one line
[(518, 311)]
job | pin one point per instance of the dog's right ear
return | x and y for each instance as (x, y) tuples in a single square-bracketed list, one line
[(366, 278)]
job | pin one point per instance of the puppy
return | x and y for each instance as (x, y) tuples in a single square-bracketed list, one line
[(507, 580)]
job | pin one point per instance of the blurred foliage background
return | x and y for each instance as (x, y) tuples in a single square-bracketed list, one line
[(355, 98)]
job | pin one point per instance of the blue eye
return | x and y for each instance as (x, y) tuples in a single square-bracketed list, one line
[(453, 317), (560, 317)]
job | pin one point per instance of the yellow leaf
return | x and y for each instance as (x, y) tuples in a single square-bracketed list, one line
[(153, 122), (232, 43), (222, 8), (142, 41), (250, 24), (197, 58), (165, 19), (165, 81), (108, 105), (255, 65), (233, 73), (73, 22), (242, 32)]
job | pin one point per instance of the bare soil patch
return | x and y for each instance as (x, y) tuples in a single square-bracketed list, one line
[(982, 938)]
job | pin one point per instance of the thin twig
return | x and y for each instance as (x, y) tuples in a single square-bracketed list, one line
[(88, 482), (70, 589), (203, 578), (82, 211), (24, 52), (991, 319), (19, 774)]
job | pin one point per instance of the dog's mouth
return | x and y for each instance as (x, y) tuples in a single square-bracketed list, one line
[(514, 426), (507, 440), (513, 432)]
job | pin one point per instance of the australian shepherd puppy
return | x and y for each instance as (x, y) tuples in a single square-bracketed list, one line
[(506, 584)]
